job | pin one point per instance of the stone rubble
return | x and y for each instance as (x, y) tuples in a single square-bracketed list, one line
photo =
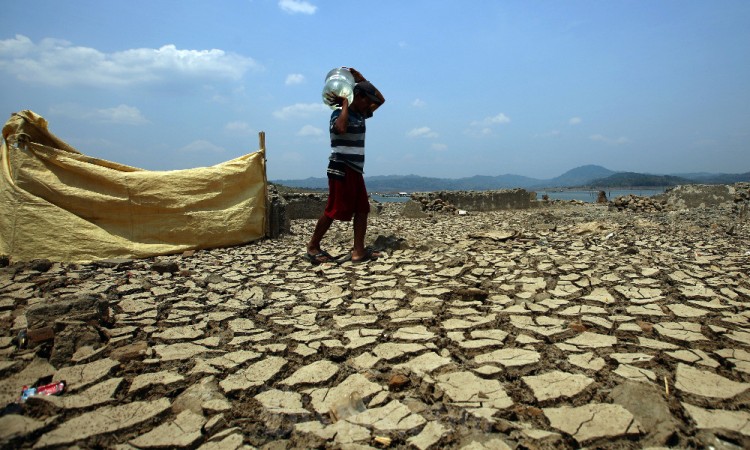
[(562, 326)]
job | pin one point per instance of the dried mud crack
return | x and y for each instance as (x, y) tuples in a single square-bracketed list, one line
[(561, 327)]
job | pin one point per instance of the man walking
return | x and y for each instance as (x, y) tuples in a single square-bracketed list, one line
[(347, 195)]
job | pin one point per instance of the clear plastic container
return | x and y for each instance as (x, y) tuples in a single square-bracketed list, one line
[(339, 82)]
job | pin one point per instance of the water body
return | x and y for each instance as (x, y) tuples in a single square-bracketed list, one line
[(588, 196)]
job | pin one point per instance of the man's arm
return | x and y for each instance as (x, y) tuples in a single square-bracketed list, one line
[(339, 126), (358, 77)]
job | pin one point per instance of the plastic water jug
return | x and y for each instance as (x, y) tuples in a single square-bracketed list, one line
[(339, 82)]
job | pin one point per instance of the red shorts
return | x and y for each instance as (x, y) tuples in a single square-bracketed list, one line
[(347, 197)]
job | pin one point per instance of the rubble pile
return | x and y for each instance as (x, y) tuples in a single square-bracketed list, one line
[(742, 192), (561, 327), (638, 203), (434, 204)]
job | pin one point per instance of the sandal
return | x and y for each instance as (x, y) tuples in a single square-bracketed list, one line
[(318, 258), (370, 255)]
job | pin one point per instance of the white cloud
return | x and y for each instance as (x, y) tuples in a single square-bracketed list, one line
[(439, 147), (481, 128), (295, 78), (297, 7), (238, 127), (418, 103), (121, 114), (574, 121), (59, 63), (202, 146), (300, 110), (124, 114), (309, 130), (489, 121), (422, 132), (608, 140)]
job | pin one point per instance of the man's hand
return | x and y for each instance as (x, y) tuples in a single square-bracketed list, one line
[(357, 76), (334, 99)]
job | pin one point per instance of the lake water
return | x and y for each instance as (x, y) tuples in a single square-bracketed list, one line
[(589, 196)]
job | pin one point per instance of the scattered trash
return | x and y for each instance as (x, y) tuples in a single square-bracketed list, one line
[(398, 381), (47, 389), (383, 440), (347, 407), (461, 212), (608, 236), (666, 385), (22, 339)]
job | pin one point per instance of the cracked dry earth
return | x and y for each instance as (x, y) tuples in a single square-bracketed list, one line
[(562, 327)]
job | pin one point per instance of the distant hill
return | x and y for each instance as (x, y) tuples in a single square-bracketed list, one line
[(715, 178), (632, 179), (588, 176), (578, 176), (416, 183), (722, 178)]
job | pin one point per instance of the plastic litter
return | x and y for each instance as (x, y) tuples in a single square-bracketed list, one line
[(47, 389), (347, 407), (22, 339)]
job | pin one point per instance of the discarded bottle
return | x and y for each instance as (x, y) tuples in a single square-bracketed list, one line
[(348, 406), (23, 339), (47, 389)]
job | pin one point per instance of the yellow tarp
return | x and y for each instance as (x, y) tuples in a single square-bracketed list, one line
[(59, 204)]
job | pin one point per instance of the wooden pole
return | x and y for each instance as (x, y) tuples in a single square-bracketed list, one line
[(267, 206)]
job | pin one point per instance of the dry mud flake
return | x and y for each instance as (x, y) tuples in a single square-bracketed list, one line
[(183, 431), (13, 426), (424, 363), (588, 339), (429, 436), (593, 421), (10, 388), (254, 375), (281, 402), (324, 399), (315, 373), (144, 380), (737, 421), (557, 384), (509, 357), (394, 416), (647, 404), (707, 384), (98, 394), (83, 375), (108, 419), (470, 390)]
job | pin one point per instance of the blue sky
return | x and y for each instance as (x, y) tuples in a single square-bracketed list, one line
[(532, 88)]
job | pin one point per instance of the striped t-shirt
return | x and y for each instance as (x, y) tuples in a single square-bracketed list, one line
[(347, 149)]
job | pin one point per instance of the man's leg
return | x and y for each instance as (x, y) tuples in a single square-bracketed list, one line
[(360, 230), (321, 228)]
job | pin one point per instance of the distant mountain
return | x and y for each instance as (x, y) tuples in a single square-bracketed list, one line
[(583, 176), (632, 179), (578, 176), (416, 183), (714, 178), (724, 178)]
